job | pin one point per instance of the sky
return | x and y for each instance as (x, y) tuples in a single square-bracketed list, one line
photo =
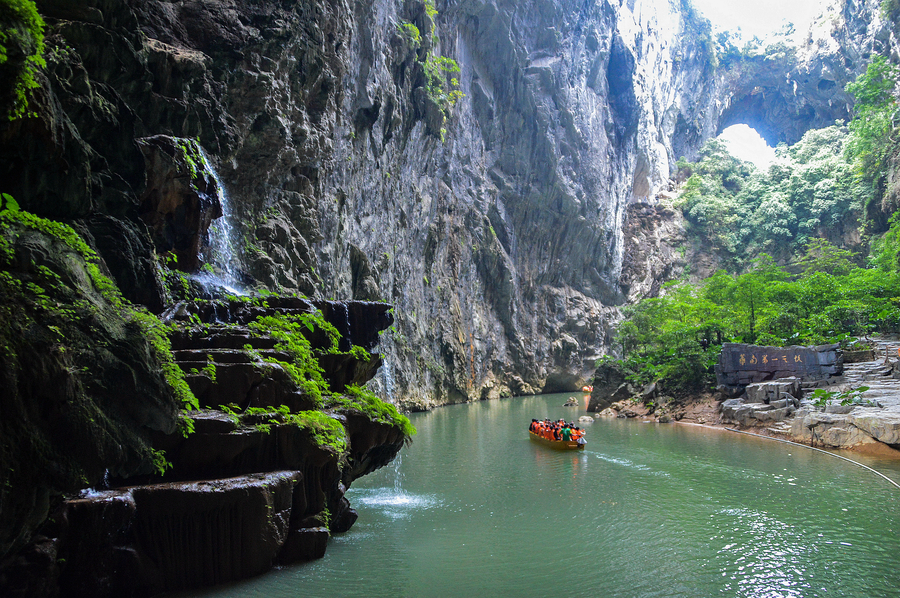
[(746, 144), (759, 17)]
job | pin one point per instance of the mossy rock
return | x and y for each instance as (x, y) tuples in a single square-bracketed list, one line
[(80, 382)]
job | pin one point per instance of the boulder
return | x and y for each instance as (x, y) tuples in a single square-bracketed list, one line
[(830, 430), (766, 392), (773, 415), (609, 386), (729, 407), (882, 424)]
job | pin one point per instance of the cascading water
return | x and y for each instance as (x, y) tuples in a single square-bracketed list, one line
[(222, 263), (386, 377)]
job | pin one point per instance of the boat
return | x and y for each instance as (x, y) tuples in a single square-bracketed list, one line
[(587, 388), (559, 445)]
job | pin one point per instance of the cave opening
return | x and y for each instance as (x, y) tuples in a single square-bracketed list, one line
[(745, 142)]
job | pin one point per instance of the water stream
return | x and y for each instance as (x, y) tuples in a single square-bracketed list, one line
[(474, 508), (221, 251)]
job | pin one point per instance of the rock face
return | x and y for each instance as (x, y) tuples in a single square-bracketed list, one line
[(181, 198), (497, 232), (80, 383)]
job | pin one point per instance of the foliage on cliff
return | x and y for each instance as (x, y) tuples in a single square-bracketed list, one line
[(294, 334), (358, 399), (676, 338), (21, 54), (85, 376), (741, 211), (874, 135), (303, 368)]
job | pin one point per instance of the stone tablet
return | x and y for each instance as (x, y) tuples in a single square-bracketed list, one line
[(740, 365)]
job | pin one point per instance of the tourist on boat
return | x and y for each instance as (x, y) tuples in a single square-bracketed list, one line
[(566, 433)]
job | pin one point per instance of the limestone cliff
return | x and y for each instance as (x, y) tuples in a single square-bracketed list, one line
[(494, 226)]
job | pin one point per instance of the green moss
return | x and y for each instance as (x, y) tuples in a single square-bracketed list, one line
[(157, 333), (291, 334), (152, 328), (366, 402), (328, 432), (210, 370), (21, 51)]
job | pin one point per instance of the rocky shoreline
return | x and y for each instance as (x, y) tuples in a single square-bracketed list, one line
[(785, 408)]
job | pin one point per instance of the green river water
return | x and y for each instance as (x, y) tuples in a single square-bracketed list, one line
[(473, 508)]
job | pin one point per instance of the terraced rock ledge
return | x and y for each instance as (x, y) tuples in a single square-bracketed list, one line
[(283, 430)]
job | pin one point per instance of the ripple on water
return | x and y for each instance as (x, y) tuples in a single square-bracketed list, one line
[(631, 465), (393, 503)]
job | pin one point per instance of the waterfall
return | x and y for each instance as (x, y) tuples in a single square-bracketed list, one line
[(385, 379), (220, 252), (398, 475)]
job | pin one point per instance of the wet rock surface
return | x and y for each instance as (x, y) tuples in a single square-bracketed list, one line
[(80, 382)]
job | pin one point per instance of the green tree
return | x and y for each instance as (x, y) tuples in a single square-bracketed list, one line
[(822, 256), (873, 133)]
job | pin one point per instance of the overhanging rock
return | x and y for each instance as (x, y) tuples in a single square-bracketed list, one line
[(740, 365)]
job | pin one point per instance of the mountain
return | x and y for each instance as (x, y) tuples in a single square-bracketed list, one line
[(495, 219)]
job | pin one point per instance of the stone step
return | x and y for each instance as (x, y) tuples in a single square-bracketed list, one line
[(222, 341), (202, 356), (247, 385), (813, 384), (193, 533), (782, 428)]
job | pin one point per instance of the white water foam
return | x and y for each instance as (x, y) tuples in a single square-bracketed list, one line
[(221, 252)]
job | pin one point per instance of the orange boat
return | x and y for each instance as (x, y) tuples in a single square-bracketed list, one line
[(587, 389), (559, 445)]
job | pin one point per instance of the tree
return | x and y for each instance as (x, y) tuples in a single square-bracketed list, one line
[(822, 256), (873, 134)]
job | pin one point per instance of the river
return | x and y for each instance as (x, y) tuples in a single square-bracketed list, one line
[(473, 508)]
